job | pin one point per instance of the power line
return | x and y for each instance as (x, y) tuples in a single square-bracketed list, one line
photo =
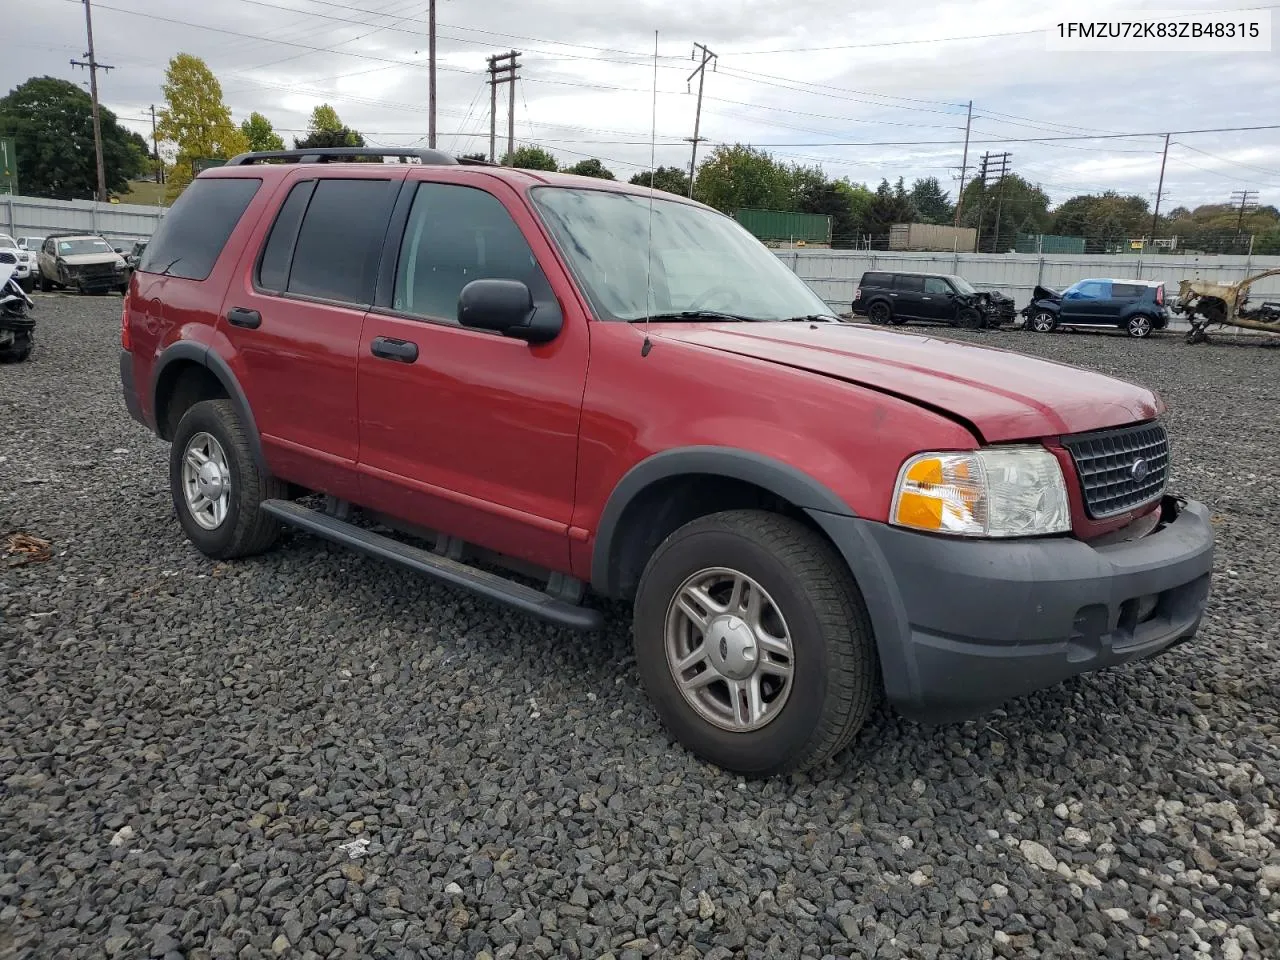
[(1238, 163), (883, 43)]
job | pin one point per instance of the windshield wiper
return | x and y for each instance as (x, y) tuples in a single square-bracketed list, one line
[(696, 315), (813, 318), (169, 266)]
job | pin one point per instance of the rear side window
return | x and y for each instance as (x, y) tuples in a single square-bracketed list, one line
[(909, 283), (340, 241), (1127, 291), (876, 279), (195, 230), (273, 269)]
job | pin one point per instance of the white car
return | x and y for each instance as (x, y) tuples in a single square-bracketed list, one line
[(25, 274)]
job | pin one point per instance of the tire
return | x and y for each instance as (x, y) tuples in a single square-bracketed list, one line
[(1196, 335), (1139, 327), (1042, 321), (243, 529), (19, 350), (880, 313), (834, 676), (45, 285), (970, 319)]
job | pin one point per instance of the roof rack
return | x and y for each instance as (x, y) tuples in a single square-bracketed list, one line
[(339, 154)]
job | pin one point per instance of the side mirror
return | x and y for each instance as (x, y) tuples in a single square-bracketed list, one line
[(507, 307), (119, 250)]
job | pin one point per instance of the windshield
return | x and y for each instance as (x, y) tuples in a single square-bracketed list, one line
[(7, 243), (701, 261), (73, 248), (963, 285)]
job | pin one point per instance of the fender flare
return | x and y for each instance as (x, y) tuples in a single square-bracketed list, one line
[(199, 353), (777, 477)]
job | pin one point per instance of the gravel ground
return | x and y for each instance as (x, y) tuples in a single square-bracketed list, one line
[(312, 755)]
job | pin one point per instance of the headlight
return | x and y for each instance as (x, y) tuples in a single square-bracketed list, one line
[(996, 492)]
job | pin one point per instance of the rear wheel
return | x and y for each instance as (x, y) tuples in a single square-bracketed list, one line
[(216, 485), (880, 313), (754, 644), (1139, 326), (1042, 321)]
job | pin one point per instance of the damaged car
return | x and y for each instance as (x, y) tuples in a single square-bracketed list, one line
[(884, 298), (83, 262)]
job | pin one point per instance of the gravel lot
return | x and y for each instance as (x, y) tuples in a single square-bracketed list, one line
[(313, 755)]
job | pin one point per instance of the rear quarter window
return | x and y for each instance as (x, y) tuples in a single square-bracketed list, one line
[(909, 283), (1127, 291), (877, 279), (195, 230)]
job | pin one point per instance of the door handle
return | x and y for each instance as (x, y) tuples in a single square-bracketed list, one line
[(240, 317), (404, 351)]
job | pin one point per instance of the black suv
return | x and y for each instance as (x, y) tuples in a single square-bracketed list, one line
[(938, 297)]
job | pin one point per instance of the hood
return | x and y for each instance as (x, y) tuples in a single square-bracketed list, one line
[(80, 259), (1045, 293), (999, 394)]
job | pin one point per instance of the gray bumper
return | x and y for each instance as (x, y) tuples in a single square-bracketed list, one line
[(963, 625)]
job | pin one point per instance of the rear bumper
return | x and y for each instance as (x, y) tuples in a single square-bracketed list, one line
[(963, 625), (129, 389)]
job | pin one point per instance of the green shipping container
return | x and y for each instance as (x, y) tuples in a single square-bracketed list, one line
[(786, 225), (1048, 243)]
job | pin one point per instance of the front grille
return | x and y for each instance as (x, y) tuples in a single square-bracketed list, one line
[(96, 271), (1106, 463)]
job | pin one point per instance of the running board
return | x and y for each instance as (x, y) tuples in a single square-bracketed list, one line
[(436, 565)]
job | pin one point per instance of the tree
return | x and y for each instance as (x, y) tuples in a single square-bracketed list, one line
[(931, 201), (1105, 219), (325, 118), (670, 179), (890, 205), (482, 157), (1022, 206), (261, 135), (327, 130), (844, 203), (531, 158), (51, 121), (1219, 228), (736, 177), (195, 119), (591, 168)]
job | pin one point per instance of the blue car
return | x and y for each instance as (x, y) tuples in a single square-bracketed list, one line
[(1135, 306)]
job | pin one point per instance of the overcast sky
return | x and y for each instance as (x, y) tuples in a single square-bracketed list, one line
[(805, 79)]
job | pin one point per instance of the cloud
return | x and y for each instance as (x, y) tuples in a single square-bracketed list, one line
[(882, 106)]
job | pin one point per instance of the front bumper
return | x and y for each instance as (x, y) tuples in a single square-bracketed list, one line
[(963, 625)]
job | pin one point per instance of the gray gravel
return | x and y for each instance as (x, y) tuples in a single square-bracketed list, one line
[(312, 755)]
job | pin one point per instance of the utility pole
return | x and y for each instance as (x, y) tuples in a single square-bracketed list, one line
[(94, 66), (502, 69), (993, 165), (700, 73), (1248, 200), (155, 147), (431, 75), (964, 163), (1155, 214)]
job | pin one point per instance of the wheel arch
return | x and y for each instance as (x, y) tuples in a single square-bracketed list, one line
[(671, 488), (175, 365)]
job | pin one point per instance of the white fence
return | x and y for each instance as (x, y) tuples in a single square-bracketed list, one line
[(38, 217), (834, 274)]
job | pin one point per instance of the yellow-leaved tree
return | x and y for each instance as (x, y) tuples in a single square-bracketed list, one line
[(196, 120)]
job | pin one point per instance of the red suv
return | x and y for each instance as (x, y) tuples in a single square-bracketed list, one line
[(591, 385)]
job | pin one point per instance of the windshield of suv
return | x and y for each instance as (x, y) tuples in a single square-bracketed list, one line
[(7, 243), (73, 248), (963, 285), (701, 261)]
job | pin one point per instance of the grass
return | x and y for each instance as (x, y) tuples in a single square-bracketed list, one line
[(145, 192)]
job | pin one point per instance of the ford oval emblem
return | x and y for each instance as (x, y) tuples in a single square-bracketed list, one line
[(1139, 470)]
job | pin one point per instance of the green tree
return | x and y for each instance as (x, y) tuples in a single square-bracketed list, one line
[(1218, 227), (483, 157), (837, 200), (931, 201), (195, 119), (325, 119), (888, 206), (1022, 207), (1106, 218), (51, 121), (591, 168), (261, 135), (531, 158), (736, 177), (1268, 243), (670, 179)]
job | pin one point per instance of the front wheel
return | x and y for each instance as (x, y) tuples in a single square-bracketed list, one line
[(46, 286), (216, 485), (1042, 321), (970, 318), (753, 642), (18, 350), (1139, 327)]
